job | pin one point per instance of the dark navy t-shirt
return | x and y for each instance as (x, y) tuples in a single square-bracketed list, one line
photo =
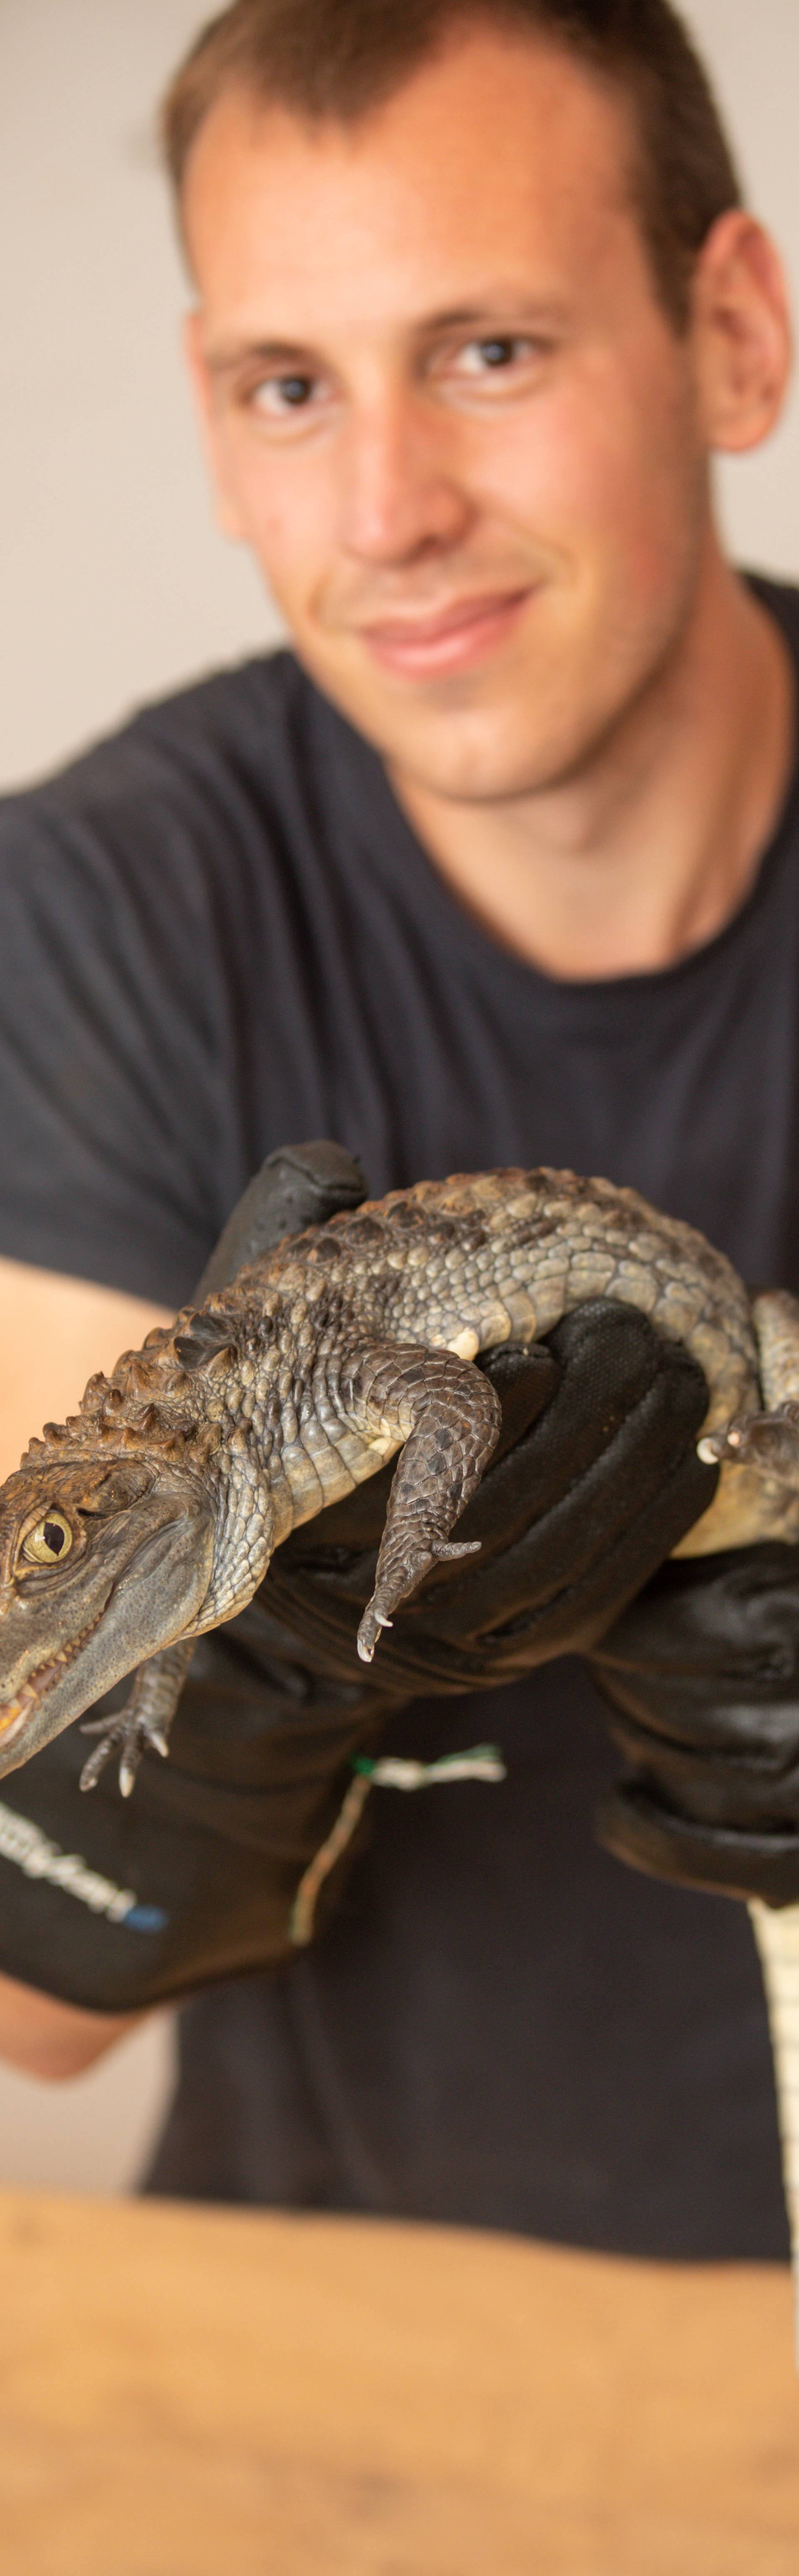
[(219, 933)]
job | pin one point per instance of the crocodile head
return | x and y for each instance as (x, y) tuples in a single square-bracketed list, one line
[(102, 1562)]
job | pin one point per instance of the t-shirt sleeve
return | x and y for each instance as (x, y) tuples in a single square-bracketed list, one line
[(120, 1157), (111, 1056)]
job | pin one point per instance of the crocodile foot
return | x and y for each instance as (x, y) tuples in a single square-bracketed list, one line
[(130, 1733), (143, 1725), (375, 1618), (766, 1440)]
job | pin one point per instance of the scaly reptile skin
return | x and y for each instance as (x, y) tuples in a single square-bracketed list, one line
[(166, 1494)]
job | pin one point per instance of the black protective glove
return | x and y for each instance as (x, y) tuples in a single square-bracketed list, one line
[(595, 1479), (702, 1675)]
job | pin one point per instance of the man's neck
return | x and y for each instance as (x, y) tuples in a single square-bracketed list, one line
[(656, 845)]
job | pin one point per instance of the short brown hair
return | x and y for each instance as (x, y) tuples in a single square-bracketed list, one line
[(339, 58)]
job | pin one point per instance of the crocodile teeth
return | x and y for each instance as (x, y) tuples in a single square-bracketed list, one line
[(15, 1712)]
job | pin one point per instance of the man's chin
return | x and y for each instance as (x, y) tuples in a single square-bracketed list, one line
[(484, 768), (493, 757)]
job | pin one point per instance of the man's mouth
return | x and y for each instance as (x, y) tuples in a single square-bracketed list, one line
[(448, 640)]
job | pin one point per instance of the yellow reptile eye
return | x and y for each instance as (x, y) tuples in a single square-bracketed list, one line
[(49, 1542)]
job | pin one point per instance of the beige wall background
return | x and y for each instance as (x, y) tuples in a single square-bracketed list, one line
[(115, 585)]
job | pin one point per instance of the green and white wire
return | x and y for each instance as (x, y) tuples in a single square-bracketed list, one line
[(391, 1771), (484, 1762), (776, 1931)]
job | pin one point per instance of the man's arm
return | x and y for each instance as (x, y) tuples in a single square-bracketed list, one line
[(54, 2040), (54, 1332)]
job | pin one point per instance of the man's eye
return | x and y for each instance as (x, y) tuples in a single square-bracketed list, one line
[(495, 355), (276, 397)]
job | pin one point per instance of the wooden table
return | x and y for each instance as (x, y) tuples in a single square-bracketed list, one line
[(212, 2394)]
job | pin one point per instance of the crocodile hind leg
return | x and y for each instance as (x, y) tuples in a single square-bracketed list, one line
[(448, 1416), (768, 1440), (143, 1725)]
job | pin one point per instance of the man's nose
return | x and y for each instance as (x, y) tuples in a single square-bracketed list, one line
[(400, 493)]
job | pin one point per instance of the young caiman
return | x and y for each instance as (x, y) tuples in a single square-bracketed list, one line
[(151, 1515)]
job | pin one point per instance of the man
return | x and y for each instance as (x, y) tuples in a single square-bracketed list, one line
[(501, 868)]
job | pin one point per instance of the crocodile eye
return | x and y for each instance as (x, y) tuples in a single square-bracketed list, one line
[(49, 1542)]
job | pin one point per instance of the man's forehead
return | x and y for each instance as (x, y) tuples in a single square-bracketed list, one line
[(501, 164)]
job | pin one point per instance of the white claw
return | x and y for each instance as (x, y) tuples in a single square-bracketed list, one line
[(707, 1451)]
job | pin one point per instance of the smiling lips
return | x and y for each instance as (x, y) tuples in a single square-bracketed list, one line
[(422, 647)]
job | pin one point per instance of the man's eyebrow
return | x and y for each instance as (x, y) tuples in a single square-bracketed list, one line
[(501, 304), (221, 359), (497, 308)]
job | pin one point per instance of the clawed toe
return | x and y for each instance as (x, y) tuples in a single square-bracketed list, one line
[(128, 1734), (438, 1552), (369, 1631), (766, 1440)]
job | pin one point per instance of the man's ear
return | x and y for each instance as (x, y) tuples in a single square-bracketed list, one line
[(227, 511), (742, 334)]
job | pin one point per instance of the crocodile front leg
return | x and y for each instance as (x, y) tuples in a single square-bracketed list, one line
[(143, 1725), (448, 1416)]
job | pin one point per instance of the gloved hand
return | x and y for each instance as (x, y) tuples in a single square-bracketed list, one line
[(702, 1676), (595, 1479)]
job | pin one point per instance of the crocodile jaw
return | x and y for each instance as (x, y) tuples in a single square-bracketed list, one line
[(139, 1588)]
